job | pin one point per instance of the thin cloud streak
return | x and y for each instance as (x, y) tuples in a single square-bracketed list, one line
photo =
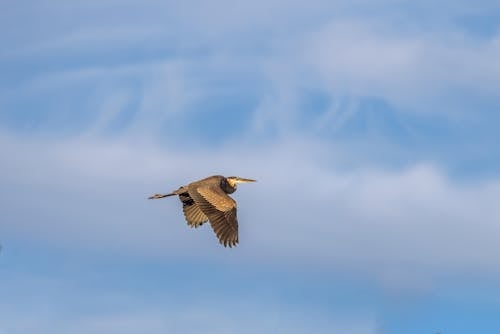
[(106, 306), (192, 320), (357, 55)]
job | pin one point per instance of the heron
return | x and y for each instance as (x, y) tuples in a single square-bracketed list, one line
[(208, 200)]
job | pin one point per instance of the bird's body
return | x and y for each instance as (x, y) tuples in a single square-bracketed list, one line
[(208, 200)]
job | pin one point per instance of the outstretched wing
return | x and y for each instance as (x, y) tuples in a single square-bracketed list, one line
[(220, 210), (194, 216)]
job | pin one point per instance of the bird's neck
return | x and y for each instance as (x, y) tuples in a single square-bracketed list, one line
[(227, 187)]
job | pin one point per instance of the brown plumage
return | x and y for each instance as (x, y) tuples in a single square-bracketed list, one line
[(208, 200)]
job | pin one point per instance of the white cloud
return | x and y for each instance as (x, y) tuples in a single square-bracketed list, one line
[(411, 70), (90, 195)]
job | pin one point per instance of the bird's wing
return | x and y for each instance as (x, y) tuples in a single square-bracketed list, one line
[(220, 210), (194, 216)]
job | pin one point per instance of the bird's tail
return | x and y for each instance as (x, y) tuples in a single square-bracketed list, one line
[(157, 196)]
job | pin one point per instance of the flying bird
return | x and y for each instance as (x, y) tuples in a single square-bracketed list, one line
[(208, 200)]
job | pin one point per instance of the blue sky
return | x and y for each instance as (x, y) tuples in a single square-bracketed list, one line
[(371, 127)]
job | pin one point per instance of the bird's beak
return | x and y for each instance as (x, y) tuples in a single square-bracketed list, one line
[(242, 180)]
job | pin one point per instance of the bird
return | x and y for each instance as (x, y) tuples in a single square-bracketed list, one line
[(208, 200)]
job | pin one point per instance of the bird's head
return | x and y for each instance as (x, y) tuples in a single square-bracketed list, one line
[(234, 180)]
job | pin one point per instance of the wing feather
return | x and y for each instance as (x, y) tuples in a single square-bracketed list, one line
[(220, 210), (194, 216)]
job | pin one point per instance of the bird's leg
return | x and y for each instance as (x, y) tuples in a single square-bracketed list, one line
[(157, 196)]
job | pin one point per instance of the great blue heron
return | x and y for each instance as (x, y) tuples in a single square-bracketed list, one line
[(208, 200)]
